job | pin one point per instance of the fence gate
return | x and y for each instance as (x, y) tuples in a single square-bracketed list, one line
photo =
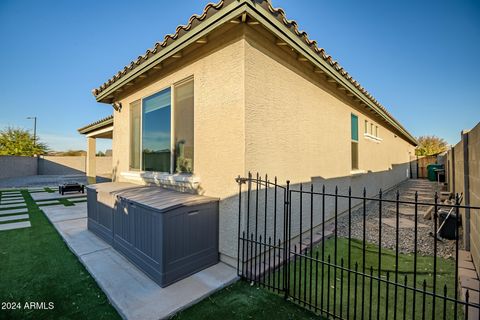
[(320, 249)]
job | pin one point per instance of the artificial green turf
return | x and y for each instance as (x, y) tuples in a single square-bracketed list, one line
[(37, 266), (243, 301), (300, 285)]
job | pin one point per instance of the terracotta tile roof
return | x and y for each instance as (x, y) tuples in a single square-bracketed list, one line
[(179, 31), (280, 15), (97, 124)]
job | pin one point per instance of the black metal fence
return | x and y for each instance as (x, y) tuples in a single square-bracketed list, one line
[(328, 251)]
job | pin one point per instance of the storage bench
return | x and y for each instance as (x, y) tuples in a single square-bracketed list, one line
[(167, 234)]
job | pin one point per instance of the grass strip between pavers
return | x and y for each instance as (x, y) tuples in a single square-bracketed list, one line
[(37, 266)]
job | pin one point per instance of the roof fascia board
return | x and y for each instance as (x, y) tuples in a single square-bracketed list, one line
[(88, 129), (93, 133), (283, 33), (231, 11)]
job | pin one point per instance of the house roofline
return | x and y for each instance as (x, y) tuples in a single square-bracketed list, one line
[(96, 125), (271, 18)]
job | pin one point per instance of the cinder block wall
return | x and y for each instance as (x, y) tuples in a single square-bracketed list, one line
[(458, 181), (56, 165), (17, 166), (474, 182)]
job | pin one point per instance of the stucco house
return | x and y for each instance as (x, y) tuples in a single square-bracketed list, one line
[(240, 88)]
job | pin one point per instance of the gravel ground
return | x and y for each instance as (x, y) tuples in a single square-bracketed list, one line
[(425, 242)]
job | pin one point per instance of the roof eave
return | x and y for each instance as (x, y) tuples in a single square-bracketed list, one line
[(230, 12), (95, 126), (284, 34)]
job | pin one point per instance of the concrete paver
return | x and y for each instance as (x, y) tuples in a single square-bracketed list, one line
[(58, 213), (14, 225), (409, 210), (12, 211), (402, 223), (13, 204), (15, 217), (8, 206)]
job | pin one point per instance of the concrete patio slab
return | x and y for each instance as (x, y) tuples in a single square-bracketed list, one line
[(131, 292), (58, 213), (15, 217), (12, 211), (136, 296), (14, 225)]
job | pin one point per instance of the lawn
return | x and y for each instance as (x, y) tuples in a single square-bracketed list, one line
[(37, 266), (243, 301), (300, 285)]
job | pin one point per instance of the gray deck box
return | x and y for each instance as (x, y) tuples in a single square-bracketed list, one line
[(167, 234), (101, 199)]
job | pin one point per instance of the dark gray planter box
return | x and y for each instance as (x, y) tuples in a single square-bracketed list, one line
[(167, 234)]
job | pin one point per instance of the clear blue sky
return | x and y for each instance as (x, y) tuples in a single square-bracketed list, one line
[(418, 58)]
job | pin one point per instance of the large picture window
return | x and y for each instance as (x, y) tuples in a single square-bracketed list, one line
[(161, 134)]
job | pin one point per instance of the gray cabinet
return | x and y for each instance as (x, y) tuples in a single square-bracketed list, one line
[(101, 201), (167, 234)]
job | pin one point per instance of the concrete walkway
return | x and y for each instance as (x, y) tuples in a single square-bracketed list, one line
[(131, 292)]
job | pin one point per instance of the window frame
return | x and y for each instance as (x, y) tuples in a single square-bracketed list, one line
[(130, 135), (352, 141), (171, 86)]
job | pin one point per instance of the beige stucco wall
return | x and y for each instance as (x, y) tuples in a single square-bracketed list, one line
[(218, 71), (257, 109), (298, 126)]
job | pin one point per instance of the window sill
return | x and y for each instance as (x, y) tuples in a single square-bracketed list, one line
[(357, 172), (178, 181), (372, 137)]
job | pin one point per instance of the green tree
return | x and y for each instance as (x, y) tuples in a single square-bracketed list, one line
[(20, 142), (430, 145)]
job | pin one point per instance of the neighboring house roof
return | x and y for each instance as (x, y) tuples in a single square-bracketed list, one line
[(105, 122), (305, 46)]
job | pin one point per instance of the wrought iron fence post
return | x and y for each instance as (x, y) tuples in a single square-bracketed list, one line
[(286, 245), (240, 182)]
